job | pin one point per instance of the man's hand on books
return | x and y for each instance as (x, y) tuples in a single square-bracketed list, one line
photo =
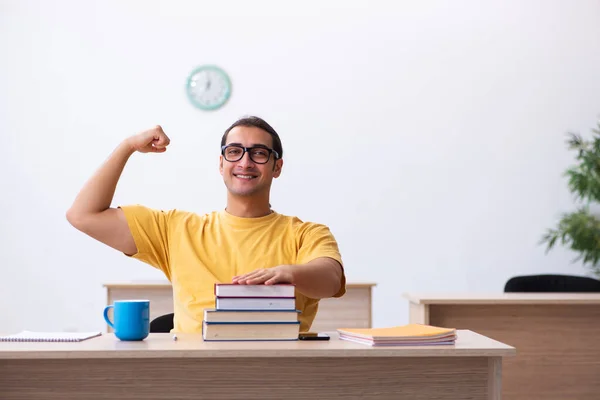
[(268, 276)]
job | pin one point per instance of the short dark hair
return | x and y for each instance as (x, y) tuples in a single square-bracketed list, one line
[(258, 123)]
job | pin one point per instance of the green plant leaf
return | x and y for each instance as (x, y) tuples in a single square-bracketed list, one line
[(579, 230)]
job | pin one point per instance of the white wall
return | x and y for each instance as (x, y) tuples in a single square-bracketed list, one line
[(429, 137)]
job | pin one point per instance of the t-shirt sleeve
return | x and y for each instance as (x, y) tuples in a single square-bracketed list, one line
[(150, 231), (315, 241)]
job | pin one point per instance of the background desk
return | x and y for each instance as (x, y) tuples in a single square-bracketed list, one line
[(353, 310), (159, 368), (556, 336)]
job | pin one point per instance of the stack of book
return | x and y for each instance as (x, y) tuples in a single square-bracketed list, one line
[(406, 335), (252, 312)]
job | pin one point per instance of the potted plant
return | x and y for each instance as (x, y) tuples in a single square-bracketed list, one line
[(579, 230)]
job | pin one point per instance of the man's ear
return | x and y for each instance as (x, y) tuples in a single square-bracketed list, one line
[(277, 168), (221, 165)]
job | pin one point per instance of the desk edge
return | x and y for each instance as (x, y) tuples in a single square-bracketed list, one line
[(504, 298), (145, 285)]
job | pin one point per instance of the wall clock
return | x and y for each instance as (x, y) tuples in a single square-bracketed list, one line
[(208, 87)]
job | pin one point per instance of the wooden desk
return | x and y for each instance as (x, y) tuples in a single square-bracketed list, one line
[(158, 368), (353, 310), (556, 336)]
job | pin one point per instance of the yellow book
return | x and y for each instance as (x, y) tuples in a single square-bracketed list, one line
[(404, 331), (411, 334)]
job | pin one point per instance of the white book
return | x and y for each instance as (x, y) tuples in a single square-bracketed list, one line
[(212, 315), (235, 290), (254, 303), (224, 331), (29, 336)]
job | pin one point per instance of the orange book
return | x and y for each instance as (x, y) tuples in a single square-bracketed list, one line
[(411, 334)]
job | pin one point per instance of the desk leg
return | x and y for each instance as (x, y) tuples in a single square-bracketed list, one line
[(494, 378)]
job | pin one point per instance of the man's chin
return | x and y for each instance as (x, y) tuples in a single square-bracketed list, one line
[(245, 188), (243, 192)]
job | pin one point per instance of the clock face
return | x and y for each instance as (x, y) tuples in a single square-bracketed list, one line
[(208, 87)]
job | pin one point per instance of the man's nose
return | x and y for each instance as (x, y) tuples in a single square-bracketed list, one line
[(246, 161)]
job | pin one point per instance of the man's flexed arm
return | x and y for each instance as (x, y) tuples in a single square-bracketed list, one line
[(91, 212)]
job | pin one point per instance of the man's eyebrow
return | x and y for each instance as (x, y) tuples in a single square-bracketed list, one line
[(253, 145)]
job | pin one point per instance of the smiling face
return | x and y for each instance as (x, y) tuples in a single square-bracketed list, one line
[(248, 177)]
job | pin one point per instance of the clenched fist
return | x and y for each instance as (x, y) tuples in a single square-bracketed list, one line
[(151, 141)]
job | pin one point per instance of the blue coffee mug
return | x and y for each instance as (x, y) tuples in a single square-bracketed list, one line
[(132, 319)]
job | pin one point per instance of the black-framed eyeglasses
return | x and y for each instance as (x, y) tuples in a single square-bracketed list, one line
[(258, 154)]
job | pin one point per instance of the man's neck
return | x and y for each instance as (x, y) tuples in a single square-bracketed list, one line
[(248, 208)]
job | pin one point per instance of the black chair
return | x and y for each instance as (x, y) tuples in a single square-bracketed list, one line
[(162, 324), (551, 283)]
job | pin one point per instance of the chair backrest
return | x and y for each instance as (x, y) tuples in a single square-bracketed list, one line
[(552, 283), (162, 324)]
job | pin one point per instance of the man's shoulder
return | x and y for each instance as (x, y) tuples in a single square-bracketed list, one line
[(176, 214), (301, 224), (171, 214)]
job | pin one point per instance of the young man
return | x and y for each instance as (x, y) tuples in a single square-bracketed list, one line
[(246, 243)]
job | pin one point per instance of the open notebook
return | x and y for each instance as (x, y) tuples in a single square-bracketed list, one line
[(29, 336)]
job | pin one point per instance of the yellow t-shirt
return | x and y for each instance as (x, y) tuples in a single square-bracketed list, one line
[(196, 251)]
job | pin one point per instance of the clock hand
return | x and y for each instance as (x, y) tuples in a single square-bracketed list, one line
[(207, 82)]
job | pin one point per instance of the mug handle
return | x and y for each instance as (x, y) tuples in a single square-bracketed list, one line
[(106, 315)]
